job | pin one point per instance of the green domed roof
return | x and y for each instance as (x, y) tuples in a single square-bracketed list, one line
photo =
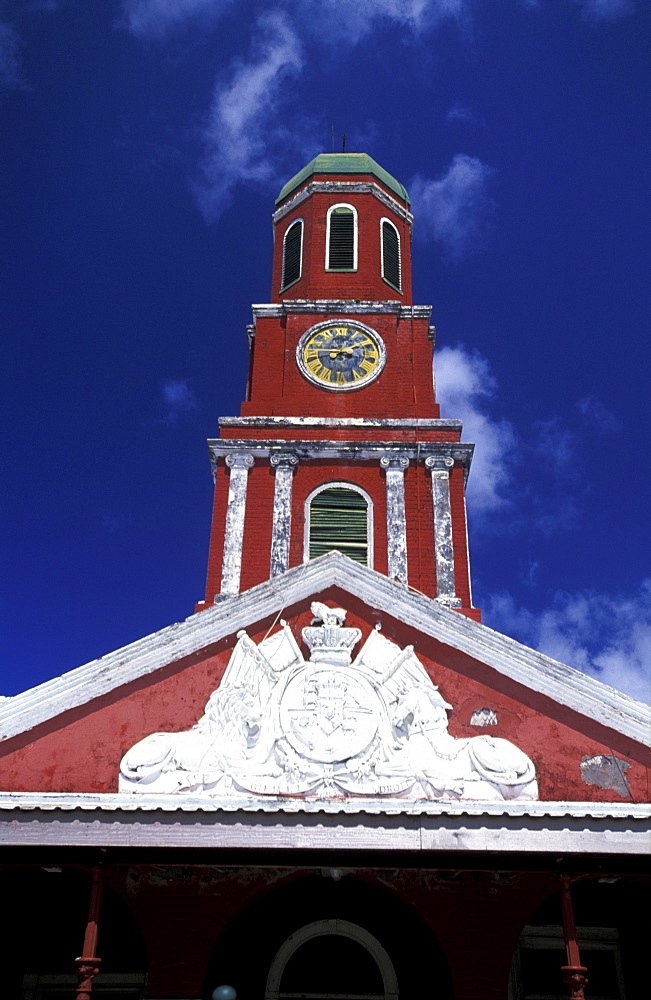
[(344, 163)]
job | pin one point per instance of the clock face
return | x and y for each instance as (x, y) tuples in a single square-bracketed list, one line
[(340, 357)]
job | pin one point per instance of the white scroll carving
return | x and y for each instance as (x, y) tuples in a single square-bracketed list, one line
[(328, 727)]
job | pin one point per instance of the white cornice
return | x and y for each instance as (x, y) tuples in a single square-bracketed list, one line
[(352, 451), (343, 188), (534, 671), (342, 307), (106, 820), (417, 423)]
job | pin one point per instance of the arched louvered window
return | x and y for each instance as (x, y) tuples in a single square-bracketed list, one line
[(341, 250), (339, 516), (292, 253), (391, 269)]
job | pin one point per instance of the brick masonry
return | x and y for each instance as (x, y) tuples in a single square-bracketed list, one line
[(403, 391)]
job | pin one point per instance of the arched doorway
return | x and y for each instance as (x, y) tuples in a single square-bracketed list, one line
[(298, 934), (331, 959)]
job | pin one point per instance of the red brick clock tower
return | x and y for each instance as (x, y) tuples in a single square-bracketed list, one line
[(339, 444)]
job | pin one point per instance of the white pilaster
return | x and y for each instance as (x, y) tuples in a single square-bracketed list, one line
[(445, 587), (234, 534), (284, 464), (395, 466)]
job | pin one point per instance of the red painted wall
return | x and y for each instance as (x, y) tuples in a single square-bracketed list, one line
[(404, 389), (81, 750)]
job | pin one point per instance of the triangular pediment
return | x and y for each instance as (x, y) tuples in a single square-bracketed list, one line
[(507, 658)]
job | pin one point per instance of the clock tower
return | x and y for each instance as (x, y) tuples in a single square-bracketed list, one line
[(339, 443)]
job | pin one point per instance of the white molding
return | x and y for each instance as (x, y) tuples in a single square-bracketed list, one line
[(352, 307), (123, 820), (534, 671), (344, 187), (418, 423)]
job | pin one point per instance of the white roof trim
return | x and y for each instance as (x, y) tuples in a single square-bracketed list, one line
[(172, 821), (563, 684)]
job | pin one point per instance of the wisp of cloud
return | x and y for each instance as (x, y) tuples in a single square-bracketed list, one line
[(464, 384), (453, 211), (237, 134), (156, 18)]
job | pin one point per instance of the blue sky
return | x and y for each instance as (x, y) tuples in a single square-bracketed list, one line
[(143, 143)]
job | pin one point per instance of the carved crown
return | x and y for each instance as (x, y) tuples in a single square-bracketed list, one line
[(331, 643)]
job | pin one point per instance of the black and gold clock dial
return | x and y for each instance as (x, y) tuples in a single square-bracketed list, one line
[(340, 357)]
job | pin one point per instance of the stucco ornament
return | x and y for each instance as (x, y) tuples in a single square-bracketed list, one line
[(329, 727)]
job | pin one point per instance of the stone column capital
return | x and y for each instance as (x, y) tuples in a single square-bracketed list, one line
[(239, 461), (284, 460), (439, 463), (398, 462)]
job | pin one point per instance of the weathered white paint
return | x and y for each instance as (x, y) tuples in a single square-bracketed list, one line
[(111, 820), (239, 465), (535, 671), (345, 451), (284, 464), (343, 188), (395, 466), (439, 467), (346, 307), (421, 423)]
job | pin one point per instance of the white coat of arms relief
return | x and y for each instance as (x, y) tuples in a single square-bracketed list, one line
[(330, 727)]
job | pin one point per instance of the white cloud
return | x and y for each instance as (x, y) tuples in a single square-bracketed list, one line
[(454, 209), (238, 140), (606, 10), (351, 20), (155, 18), (463, 386), (459, 113), (178, 398), (605, 636), (9, 56)]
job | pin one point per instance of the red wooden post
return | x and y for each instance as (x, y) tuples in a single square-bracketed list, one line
[(574, 974), (88, 964)]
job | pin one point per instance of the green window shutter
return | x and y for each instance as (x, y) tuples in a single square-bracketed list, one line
[(292, 253), (390, 255), (339, 520), (341, 245)]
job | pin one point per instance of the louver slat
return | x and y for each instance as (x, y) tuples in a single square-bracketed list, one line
[(292, 254), (341, 247), (390, 255), (338, 520)]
